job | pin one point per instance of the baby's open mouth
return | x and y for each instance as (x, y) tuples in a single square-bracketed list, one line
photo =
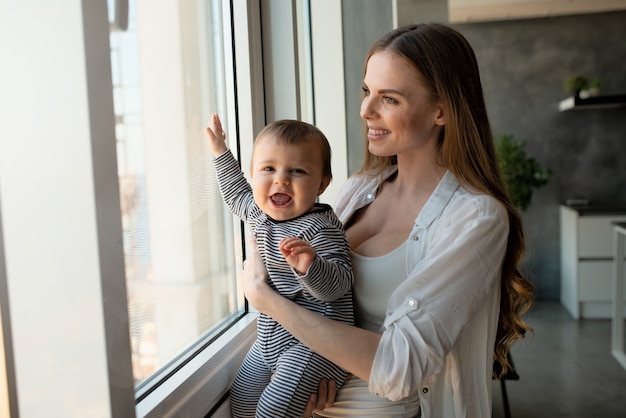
[(280, 199)]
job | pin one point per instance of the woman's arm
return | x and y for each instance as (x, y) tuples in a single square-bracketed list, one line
[(347, 346)]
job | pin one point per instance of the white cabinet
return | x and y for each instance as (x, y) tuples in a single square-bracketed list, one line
[(587, 260)]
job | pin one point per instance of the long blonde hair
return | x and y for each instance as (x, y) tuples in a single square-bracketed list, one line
[(466, 147)]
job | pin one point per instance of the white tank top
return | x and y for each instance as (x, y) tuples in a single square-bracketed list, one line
[(375, 278)]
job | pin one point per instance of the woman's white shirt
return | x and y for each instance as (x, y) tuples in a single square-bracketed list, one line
[(440, 326)]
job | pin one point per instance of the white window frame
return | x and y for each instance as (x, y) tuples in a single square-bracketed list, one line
[(60, 213)]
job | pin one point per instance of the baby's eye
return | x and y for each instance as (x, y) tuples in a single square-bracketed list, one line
[(297, 171), (268, 168)]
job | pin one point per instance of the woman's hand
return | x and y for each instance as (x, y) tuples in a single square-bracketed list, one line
[(254, 277), (325, 397)]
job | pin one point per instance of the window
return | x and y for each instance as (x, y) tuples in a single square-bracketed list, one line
[(60, 229), (170, 71)]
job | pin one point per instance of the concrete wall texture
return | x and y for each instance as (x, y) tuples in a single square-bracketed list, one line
[(524, 65)]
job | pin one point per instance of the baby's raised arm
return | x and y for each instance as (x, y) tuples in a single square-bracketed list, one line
[(216, 136)]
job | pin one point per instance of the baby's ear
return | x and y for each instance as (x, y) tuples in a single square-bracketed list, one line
[(324, 184)]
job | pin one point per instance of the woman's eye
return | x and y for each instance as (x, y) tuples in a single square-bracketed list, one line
[(389, 100), (365, 91)]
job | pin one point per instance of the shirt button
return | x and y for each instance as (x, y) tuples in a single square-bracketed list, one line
[(425, 390), (412, 303), (369, 196), (416, 237)]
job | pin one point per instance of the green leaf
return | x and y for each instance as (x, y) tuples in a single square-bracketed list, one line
[(522, 173)]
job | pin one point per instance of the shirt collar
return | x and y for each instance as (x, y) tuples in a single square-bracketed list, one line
[(442, 194)]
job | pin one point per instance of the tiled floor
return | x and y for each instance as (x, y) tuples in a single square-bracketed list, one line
[(566, 369)]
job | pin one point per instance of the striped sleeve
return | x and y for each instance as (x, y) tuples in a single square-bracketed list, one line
[(234, 187)]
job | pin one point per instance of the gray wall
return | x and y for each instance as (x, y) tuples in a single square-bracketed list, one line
[(524, 64)]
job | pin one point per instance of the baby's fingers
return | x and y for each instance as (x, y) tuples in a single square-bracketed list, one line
[(291, 243), (216, 126)]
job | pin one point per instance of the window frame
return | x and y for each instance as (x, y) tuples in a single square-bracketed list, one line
[(260, 99)]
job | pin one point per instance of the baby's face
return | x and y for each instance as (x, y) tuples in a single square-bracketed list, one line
[(286, 179)]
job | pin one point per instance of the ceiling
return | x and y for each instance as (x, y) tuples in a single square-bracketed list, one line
[(486, 10)]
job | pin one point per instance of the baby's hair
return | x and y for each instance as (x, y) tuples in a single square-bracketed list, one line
[(296, 132)]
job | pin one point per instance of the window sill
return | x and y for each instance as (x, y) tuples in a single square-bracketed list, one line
[(200, 385)]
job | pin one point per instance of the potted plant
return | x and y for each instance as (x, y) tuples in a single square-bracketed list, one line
[(576, 83), (594, 88), (522, 173)]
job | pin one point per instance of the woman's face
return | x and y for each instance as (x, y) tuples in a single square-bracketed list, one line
[(399, 110)]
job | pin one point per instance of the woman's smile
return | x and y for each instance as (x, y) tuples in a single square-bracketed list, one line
[(373, 132)]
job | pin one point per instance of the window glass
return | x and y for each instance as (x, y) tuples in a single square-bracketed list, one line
[(169, 75)]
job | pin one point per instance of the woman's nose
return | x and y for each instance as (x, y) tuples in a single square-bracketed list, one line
[(366, 108)]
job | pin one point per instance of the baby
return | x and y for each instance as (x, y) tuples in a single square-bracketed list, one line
[(305, 251)]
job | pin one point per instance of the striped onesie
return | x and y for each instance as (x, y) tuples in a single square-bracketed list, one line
[(326, 289)]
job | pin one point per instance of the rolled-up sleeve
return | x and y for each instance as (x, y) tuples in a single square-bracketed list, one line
[(453, 263)]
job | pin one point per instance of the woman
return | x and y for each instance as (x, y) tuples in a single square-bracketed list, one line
[(436, 243)]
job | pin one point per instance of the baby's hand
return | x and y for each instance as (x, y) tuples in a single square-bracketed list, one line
[(298, 253), (216, 136)]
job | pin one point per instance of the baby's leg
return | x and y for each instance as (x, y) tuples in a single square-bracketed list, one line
[(251, 380), (297, 376)]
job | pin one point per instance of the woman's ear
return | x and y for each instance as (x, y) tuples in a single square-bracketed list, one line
[(440, 116), (324, 184)]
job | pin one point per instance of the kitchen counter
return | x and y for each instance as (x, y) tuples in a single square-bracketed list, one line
[(598, 208)]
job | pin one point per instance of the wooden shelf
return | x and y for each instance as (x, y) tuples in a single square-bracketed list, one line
[(598, 102)]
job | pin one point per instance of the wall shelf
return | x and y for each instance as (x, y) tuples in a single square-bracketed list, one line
[(598, 102)]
